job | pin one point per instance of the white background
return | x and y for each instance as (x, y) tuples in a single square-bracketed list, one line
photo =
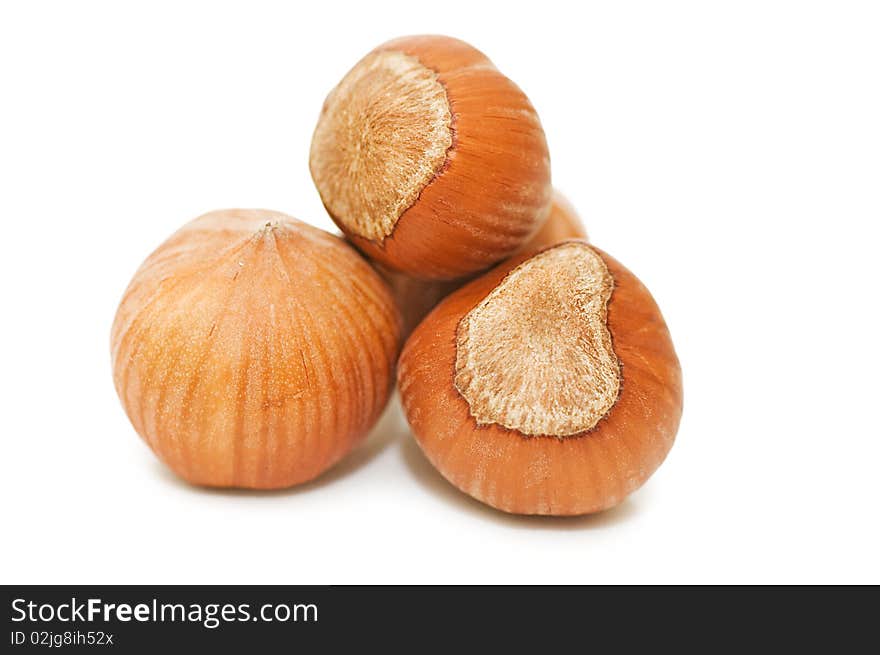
[(728, 153)]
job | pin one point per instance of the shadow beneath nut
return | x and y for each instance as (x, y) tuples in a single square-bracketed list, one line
[(384, 433), (431, 479)]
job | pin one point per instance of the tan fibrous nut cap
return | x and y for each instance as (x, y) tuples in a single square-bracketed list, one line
[(430, 160), (549, 385), (253, 350)]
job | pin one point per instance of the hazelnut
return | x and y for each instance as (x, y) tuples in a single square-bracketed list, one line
[(430, 160), (549, 385), (253, 350), (415, 297), (562, 223)]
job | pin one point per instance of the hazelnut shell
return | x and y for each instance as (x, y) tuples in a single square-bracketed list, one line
[(253, 350), (546, 474), (469, 209)]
